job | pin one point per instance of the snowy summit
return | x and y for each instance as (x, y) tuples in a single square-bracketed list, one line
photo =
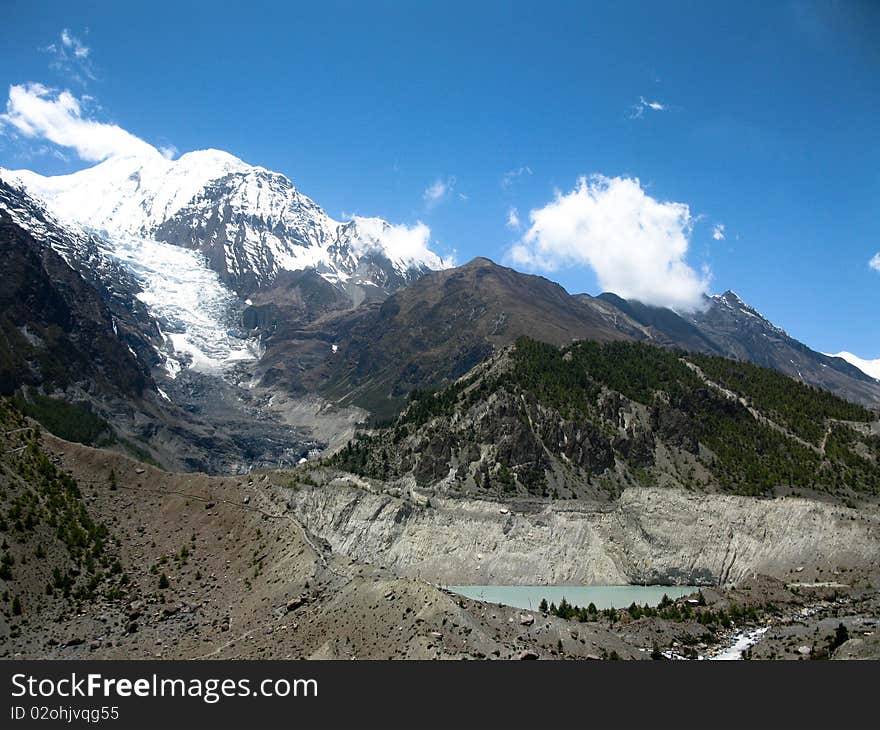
[(201, 232), (250, 222)]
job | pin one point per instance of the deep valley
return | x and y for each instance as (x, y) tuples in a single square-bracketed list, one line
[(233, 427)]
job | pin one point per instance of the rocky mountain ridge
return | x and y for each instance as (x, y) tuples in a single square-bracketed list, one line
[(730, 327), (430, 333)]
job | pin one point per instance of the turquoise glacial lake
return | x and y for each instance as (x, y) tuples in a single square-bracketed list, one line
[(529, 597)]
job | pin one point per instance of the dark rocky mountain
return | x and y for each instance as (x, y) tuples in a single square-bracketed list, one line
[(57, 331), (425, 335), (72, 330), (294, 296), (85, 255), (431, 332), (739, 331), (656, 324), (730, 327)]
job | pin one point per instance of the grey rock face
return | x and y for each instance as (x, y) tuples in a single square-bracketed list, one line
[(252, 225), (739, 331), (85, 254), (244, 241), (649, 535), (58, 331)]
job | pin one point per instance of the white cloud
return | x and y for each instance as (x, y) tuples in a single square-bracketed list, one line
[(636, 245), (513, 221), (37, 112), (874, 263), (435, 191), (637, 111), (70, 41), (718, 232), (438, 191), (71, 57), (409, 244), (510, 177)]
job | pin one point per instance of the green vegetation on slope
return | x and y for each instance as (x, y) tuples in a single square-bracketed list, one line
[(742, 453), (51, 545), (66, 420), (76, 422), (570, 379), (802, 408)]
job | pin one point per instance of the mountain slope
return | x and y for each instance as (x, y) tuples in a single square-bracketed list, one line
[(77, 325), (220, 275), (588, 420), (56, 329), (425, 335), (739, 331), (87, 255), (105, 558), (434, 330), (730, 327), (658, 324)]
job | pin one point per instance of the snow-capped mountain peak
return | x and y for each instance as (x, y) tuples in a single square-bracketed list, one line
[(201, 232), (249, 222), (406, 247), (868, 367), (737, 306), (128, 194), (732, 300)]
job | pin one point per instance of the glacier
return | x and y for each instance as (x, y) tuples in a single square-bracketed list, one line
[(198, 315)]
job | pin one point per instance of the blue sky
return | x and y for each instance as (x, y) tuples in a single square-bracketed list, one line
[(761, 117)]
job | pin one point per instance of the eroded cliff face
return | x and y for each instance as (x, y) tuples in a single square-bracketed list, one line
[(648, 535)]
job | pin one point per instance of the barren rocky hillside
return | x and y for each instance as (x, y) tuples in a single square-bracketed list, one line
[(648, 535), (105, 557)]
